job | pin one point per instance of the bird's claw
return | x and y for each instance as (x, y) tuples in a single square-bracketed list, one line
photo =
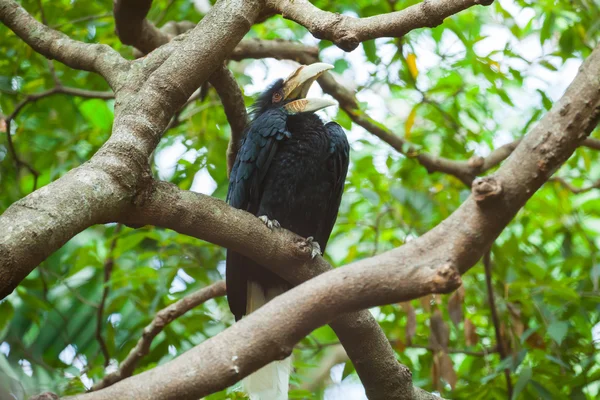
[(270, 223), (315, 248)]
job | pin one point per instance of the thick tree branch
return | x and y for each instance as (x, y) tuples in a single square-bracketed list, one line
[(198, 215), (179, 67), (134, 29), (163, 318), (96, 192), (347, 32), (55, 45), (429, 264), (356, 332), (278, 49)]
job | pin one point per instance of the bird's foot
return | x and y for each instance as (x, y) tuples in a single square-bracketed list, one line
[(270, 223), (315, 248)]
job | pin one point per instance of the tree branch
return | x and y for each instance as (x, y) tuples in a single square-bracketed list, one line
[(108, 268), (487, 263), (235, 109), (163, 318), (347, 32), (429, 264), (356, 332), (134, 29), (575, 189), (466, 171), (55, 45)]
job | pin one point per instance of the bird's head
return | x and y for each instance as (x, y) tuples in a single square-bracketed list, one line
[(290, 93)]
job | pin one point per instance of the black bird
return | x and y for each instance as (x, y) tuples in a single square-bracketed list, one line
[(290, 172)]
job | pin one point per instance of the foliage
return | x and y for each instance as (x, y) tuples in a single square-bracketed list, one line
[(479, 80)]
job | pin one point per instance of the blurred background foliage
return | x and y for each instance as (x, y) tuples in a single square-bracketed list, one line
[(478, 81)]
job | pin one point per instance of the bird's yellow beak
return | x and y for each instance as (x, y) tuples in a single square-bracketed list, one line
[(296, 86)]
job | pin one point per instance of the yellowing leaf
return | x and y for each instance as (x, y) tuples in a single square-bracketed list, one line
[(410, 121), (471, 337), (455, 304), (411, 60)]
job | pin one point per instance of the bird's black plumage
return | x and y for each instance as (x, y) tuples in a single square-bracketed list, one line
[(290, 168)]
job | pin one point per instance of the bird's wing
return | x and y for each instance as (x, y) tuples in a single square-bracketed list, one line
[(339, 157), (258, 147)]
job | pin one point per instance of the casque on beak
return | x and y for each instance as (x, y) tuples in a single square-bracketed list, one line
[(296, 86)]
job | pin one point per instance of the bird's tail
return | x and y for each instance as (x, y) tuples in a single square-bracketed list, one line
[(271, 382)]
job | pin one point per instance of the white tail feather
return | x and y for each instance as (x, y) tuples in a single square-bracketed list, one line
[(271, 382)]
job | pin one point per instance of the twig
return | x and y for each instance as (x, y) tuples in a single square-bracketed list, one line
[(394, 342), (109, 263), (33, 98), (162, 319), (487, 263), (574, 189), (72, 290), (82, 19)]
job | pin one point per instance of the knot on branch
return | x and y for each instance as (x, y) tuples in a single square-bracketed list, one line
[(347, 42), (405, 372), (283, 352), (476, 162), (485, 189), (446, 279), (484, 2)]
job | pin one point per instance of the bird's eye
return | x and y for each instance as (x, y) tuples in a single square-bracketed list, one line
[(277, 97)]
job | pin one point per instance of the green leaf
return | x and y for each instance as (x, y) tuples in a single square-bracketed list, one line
[(557, 330), (524, 377), (97, 112), (6, 311), (542, 391), (371, 195), (370, 50)]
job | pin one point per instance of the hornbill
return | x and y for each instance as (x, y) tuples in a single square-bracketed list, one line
[(289, 172)]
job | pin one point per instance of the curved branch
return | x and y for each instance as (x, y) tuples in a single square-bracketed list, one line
[(31, 98), (429, 264), (466, 171), (573, 188), (109, 264), (278, 49), (347, 32), (235, 109), (487, 264), (134, 29), (179, 67), (162, 319), (58, 46)]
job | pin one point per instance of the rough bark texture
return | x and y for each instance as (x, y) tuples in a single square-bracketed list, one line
[(347, 32), (116, 185)]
